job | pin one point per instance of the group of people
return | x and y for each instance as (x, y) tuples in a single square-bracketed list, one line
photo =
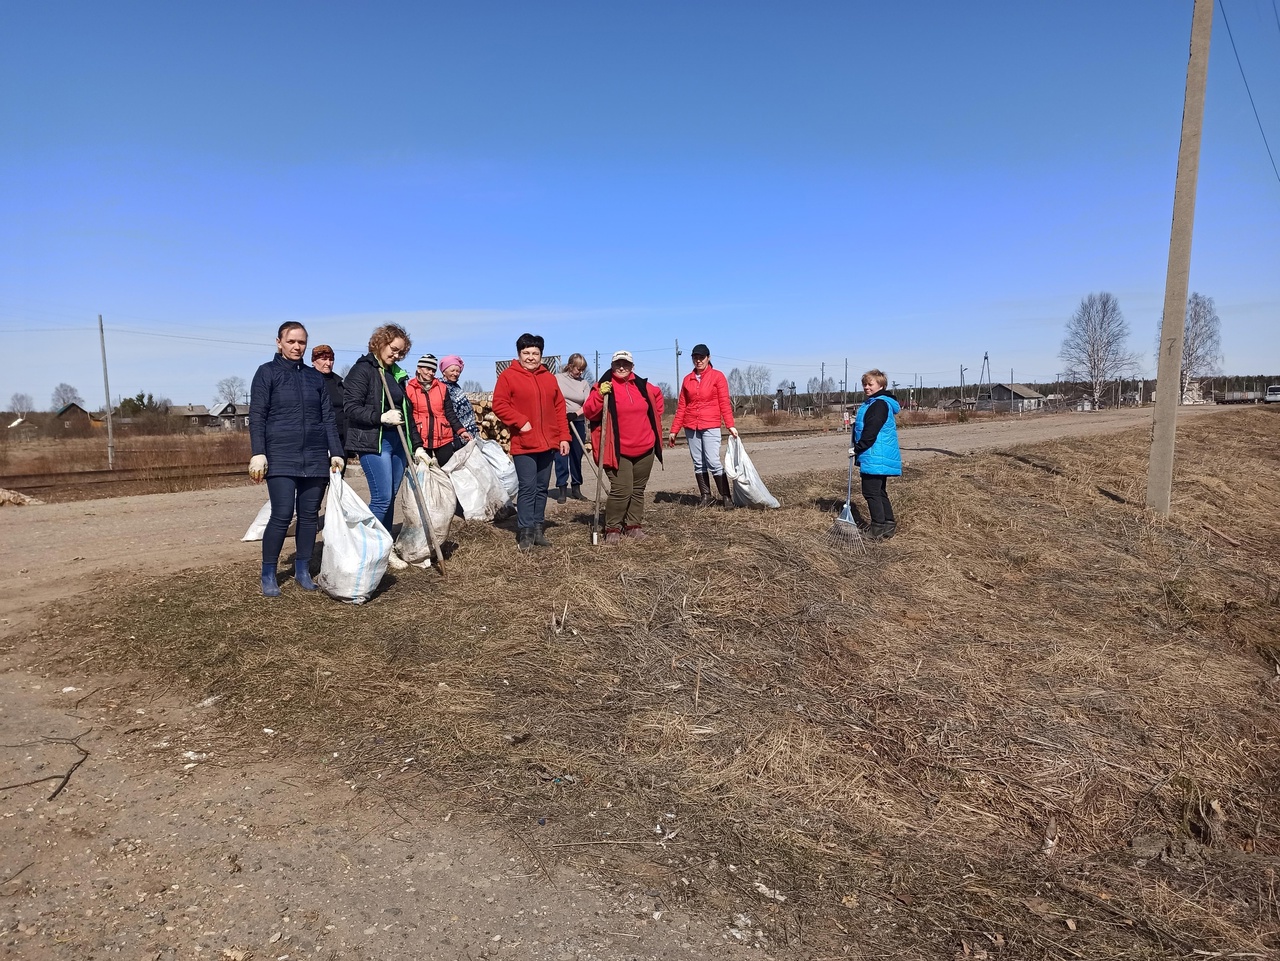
[(305, 421)]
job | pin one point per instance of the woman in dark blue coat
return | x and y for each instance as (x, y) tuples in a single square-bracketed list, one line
[(295, 445)]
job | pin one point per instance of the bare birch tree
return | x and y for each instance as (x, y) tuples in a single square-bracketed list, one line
[(1201, 341), (22, 404), (65, 394), (757, 379), (737, 384), (232, 390), (1096, 346)]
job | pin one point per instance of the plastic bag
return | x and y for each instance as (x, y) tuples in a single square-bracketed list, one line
[(356, 546), (748, 488), (502, 465), (480, 492), (259, 525), (441, 501)]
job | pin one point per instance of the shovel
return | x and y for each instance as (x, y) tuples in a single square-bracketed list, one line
[(597, 532), (417, 491)]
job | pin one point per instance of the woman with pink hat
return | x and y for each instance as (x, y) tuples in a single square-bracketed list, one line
[(451, 369)]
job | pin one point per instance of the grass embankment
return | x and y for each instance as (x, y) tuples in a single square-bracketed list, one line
[(1041, 723)]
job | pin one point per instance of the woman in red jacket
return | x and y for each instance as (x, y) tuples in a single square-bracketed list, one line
[(436, 419), (634, 440), (528, 400), (703, 404)]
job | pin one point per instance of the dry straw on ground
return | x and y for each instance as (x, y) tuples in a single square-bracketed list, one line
[(1041, 723)]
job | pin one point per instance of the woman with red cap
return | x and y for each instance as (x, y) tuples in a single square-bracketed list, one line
[(634, 441), (704, 403)]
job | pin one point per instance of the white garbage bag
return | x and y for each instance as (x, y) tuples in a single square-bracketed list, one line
[(356, 546), (441, 501), (480, 492), (259, 525), (502, 465), (748, 488)]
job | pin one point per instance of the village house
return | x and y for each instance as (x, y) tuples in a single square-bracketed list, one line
[(231, 416), (1015, 398)]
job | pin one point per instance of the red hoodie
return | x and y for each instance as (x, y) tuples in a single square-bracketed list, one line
[(635, 418), (703, 403), (531, 397)]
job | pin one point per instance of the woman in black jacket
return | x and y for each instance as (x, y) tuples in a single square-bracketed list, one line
[(375, 411), (295, 445)]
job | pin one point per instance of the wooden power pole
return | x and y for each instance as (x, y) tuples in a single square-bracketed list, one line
[(1168, 372)]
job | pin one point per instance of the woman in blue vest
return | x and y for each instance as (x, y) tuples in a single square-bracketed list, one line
[(295, 443), (875, 449)]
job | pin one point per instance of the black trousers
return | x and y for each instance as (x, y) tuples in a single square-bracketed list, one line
[(878, 506)]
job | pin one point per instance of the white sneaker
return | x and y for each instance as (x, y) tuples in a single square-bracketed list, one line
[(396, 562)]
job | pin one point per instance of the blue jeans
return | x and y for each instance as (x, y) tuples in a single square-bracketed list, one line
[(569, 466), (383, 472), (286, 493), (704, 448), (533, 470)]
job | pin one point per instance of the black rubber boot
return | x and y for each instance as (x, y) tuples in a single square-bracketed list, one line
[(559, 495), (524, 539), (575, 493), (704, 489), (538, 537), (888, 529), (722, 485)]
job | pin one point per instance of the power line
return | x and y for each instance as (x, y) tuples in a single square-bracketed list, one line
[(1226, 23)]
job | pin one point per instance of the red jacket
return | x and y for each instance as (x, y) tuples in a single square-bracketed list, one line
[(432, 413), (531, 397), (635, 419), (703, 403)]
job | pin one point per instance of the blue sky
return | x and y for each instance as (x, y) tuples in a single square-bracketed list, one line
[(904, 185)]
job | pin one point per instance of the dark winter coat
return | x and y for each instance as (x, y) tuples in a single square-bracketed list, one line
[(367, 401), (338, 399), (291, 420)]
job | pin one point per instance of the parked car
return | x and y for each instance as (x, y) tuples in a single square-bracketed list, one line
[(1273, 394)]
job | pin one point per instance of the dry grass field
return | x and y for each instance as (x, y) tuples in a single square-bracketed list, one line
[(1040, 723)]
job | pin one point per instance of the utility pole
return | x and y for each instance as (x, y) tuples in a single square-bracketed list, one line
[(677, 366), (597, 366), (962, 370), (106, 390), (1011, 390), (1164, 422), (844, 388), (822, 389)]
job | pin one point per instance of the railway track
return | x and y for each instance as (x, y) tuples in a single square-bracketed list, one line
[(37, 483)]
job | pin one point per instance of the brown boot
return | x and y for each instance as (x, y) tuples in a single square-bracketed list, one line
[(722, 485), (704, 489)]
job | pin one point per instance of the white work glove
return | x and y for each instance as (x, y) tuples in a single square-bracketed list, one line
[(853, 452), (733, 431), (422, 457), (257, 468), (337, 464), (392, 418)]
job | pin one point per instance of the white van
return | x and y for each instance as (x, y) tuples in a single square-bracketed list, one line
[(1273, 394)]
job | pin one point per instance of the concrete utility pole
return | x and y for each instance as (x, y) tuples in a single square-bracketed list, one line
[(597, 366), (106, 389), (1168, 373), (677, 366), (822, 389)]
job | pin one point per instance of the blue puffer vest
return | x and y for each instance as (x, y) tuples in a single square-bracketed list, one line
[(883, 456)]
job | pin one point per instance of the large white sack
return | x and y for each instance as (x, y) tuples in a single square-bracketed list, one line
[(480, 492), (259, 525), (748, 488), (502, 465), (356, 546), (441, 501)]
